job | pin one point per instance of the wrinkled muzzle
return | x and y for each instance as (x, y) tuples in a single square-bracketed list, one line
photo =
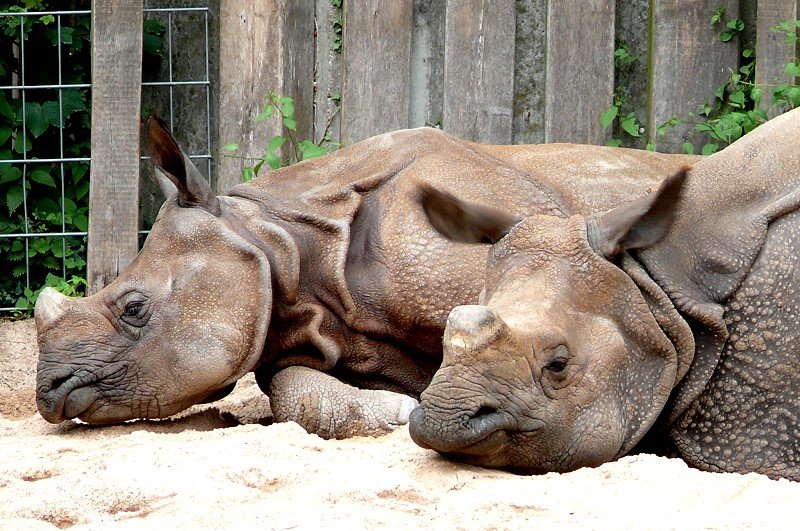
[(457, 412), (65, 376)]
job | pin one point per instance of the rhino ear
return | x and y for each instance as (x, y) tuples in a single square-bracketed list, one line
[(175, 172), (461, 221), (640, 223)]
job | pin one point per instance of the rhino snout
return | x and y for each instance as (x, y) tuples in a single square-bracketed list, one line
[(481, 431)]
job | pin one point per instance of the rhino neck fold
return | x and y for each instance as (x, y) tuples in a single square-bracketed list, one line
[(694, 331)]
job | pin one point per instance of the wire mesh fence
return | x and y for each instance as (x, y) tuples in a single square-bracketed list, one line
[(45, 149)]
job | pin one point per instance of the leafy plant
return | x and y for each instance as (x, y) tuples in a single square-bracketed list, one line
[(40, 193), (281, 108), (737, 106), (614, 117)]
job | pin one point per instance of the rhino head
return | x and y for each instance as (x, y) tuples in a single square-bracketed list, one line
[(561, 365), (180, 325)]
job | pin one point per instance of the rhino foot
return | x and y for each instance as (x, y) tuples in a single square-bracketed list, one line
[(332, 409)]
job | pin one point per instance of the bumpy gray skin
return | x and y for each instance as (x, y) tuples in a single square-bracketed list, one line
[(672, 320), (331, 408), (330, 264)]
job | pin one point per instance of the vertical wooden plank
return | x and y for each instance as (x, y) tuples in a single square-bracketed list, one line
[(114, 170), (250, 56), (376, 61), (580, 70), (479, 70), (689, 63), (298, 63), (427, 63), (631, 80), (772, 51), (530, 66), (263, 46), (328, 69)]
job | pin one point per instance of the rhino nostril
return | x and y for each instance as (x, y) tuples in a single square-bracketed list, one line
[(58, 382), (484, 411)]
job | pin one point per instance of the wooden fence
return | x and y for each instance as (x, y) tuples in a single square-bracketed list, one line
[(499, 71)]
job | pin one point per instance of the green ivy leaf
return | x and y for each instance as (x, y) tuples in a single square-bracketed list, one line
[(50, 110), (42, 177), (35, 120), (266, 114), (287, 109), (793, 69), (290, 123), (81, 223), (5, 134), (247, 174), (275, 144), (73, 100), (81, 190), (736, 99), (233, 146), (631, 125), (13, 198), (709, 148), (607, 118), (9, 173), (688, 148), (311, 151), (5, 107), (614, 142), (79, 169), (18, 144)]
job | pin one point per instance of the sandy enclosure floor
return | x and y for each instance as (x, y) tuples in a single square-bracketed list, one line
[(220, 467)]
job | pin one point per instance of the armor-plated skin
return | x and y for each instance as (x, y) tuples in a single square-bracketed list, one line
[(329, 265), (671, 321)]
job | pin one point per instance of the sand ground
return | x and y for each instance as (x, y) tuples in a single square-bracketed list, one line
[(222, 466)]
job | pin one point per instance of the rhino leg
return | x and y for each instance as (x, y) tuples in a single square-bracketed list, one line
[(332, 409)]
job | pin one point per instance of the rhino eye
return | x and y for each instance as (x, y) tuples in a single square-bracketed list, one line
[(132, 309), (557, 365)]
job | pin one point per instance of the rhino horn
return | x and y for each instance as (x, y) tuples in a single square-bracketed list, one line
[(49, 306), (639, 223), (174, 171)]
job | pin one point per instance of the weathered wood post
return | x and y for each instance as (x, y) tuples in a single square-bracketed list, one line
[(114, 171), (376, 86), (689, 62), (479, 70), (263, 46), (580, 70)]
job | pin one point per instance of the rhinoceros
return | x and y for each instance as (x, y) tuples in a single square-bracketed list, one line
[(324, 278), (670, 322)]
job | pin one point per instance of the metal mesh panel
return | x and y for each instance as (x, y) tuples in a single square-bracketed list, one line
[(42, 230)]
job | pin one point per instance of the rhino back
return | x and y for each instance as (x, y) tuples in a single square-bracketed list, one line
[(376, 280)]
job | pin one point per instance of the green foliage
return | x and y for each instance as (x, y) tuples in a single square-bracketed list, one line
[(337, 26), (622, 123), (277, 156), (737, 106), (46, 124)]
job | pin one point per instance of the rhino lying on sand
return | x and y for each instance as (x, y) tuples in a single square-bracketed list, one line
[(672, 320), (325, 278)]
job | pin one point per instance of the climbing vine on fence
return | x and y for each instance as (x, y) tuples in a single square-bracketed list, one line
[(737, 106)]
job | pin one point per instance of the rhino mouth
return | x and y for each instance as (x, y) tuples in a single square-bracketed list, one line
[(62, 394), (483, 434)]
